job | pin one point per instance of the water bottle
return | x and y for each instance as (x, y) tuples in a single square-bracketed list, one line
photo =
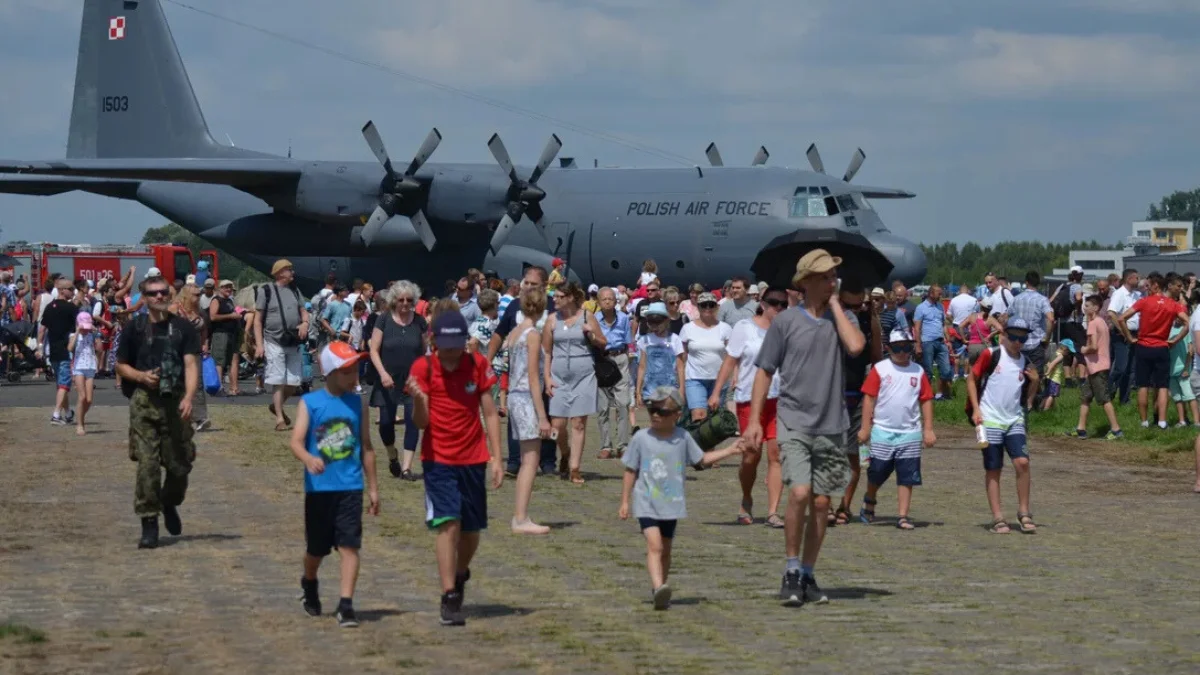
[(981, 436), (864, 453)]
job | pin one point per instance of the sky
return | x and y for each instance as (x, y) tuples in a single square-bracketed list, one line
[(1025, 119)]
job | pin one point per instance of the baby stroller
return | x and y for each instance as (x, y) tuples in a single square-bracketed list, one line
[(16, 358)]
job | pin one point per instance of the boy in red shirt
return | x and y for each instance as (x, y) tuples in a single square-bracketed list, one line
[(449, 390), (1152, 356)]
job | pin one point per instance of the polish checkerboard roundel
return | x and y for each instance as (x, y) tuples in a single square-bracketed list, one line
[(116, 28)]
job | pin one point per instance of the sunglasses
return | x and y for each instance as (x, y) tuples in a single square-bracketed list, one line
[(400, 300), (1017, 337), (775, 302), (158, 294), (902, 349), (707, 305), (656, 319), (660, 411), (673, 304)]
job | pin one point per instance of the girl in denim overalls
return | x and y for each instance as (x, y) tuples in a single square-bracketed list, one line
[(660, 354)]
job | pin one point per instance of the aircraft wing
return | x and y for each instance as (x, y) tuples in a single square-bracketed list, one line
[(55, 185), (245, 174), (885, 193)]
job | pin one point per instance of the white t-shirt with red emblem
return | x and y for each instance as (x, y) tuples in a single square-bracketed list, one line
[(898, 391), (1001, 401)]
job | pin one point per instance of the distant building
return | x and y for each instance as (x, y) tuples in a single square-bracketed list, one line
[(1180, 262), (1149, 241), (1169, 236)]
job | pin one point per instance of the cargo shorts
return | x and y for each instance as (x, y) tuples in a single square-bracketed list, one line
[(817, 460)]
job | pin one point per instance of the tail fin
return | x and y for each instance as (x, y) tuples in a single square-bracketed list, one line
[(133, 97)]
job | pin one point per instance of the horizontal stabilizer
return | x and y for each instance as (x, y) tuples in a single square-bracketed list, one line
[(238, 173)]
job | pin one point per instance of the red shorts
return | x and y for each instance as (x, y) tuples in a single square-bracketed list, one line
[(767, 419)]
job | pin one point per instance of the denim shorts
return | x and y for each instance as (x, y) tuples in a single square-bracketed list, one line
[(698, 391), (62, 372)]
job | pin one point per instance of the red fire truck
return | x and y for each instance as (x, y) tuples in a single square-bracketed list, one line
[(97, 261)]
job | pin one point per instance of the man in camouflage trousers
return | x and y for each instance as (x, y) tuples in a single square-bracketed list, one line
[(158, 361)]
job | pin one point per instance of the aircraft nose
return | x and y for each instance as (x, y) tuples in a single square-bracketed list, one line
[(908, 260)]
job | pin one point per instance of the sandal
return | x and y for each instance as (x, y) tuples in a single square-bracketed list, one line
[(286, 420), (1027, 524), (577, 477), (563, 470), (775, 521), (281, 426), (904, 523), (841, 516), (1000, 526), (605, 454), (745, 516), (867, 516)]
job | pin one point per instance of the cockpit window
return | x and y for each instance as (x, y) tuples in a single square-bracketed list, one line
[(846, 203), (862, 202), (807, 203)]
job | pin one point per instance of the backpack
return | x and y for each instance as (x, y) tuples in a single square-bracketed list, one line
[(987, 373), (1062, 303)]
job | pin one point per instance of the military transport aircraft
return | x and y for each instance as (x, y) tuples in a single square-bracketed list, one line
[(137, 133)]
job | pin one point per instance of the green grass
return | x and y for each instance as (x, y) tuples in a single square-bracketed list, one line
[(1143, 445), (21, 633)]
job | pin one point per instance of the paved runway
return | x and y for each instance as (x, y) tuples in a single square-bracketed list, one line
[(30, 393)]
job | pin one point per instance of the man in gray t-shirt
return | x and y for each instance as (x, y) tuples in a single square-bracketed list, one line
[(280, 310), (738, 305), (806, 346)]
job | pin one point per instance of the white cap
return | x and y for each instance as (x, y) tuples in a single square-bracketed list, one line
[(325, 292), (753, 290), (91, 284), (191, 279), (899, 335), (337, 355), (1076, 268), (153, 272), (763, 286), (593, 288)]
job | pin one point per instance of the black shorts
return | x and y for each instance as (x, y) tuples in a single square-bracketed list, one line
[(456, 492), (1152, 366), (665, 527), (332, 520)]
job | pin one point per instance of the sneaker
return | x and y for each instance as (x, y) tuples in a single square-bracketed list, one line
[(149, 533), (662, 597), (1145, 424), (1162, 424), (394, 467), (1076, 433), (409, 476), (345, 617), (452, 612), (202, 425), (1114, 435), (811, 592), (789, 592), (460, 585), (310, 597), (511, 471), (358, 390), (172, 521), (70, 416), (58, 421)]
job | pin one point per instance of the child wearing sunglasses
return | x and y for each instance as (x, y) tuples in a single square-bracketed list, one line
[(654, 466), (897, 414)]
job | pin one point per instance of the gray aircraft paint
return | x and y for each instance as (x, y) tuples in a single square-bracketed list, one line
[(137, 132)]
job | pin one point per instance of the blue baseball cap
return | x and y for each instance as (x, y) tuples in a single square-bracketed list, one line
[(656, 309), (1017, 323), (450, 330)]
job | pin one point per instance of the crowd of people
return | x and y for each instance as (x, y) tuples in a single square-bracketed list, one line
[(821, 377)]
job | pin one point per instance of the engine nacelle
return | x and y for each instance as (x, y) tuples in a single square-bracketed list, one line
[(466, 196)]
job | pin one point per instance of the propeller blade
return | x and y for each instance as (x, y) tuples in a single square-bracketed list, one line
[(374, 225), (427, 148), (423, 230), (503, 230), (551, 244), (501, 154), (761, 156), (814, 159), (856, 163), (375, 141), (548, 155), (714, 155)]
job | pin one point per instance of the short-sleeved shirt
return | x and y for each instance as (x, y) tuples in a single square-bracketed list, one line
[(1193, 326), (1097, 332), (336, 313), (284, 302), (59, 320), (1158, 314), (660, 464), (469, 309), (513, 317), (334, 435), (1033, 307), (899, 392), (455, 433), (962, 307), (857, 366), (730, 312), (653, 339), (705, 349), (1001, 400), (147, 354), (616, 333), (1002, 299), (1121, 300), (744, 345), (1179, 350), (807, 353)]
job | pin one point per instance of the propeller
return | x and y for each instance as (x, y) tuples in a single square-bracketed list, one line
[(814, 159), (714, 155), (524, 196), (856, 163), (761, 156), (394, 187)]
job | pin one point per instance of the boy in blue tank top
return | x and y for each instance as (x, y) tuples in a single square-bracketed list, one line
[(329, 439)]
